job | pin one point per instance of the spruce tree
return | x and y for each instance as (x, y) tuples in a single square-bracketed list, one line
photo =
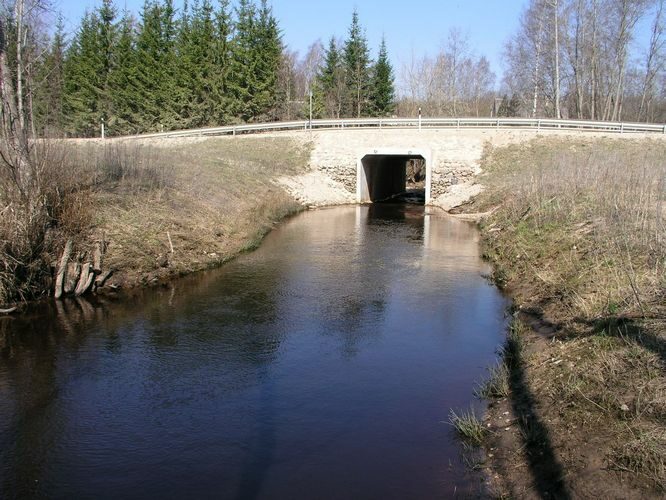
[(222, 103), (503, 110), (357, 70), (84, 79), (49, 93), (514, 106), (107, 41), (268, 54), (157, 75), (382, 93), (330, 87), (256, 50), (197, 64), (185, 72), (242, 78), (126, 115)]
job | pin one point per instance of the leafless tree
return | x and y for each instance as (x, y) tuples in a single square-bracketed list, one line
[(579, 55), (452, 83), (654, 63)]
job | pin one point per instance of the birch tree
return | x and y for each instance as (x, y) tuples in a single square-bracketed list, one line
[(654, 63)]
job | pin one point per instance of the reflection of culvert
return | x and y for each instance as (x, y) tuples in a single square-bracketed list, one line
[(381, 174)]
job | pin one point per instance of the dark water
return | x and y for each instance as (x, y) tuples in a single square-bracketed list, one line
[(322, 365)]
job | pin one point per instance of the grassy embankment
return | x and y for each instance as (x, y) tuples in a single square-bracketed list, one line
[(212, 197), (577, 235)]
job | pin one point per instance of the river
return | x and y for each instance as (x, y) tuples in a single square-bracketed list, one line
[(322, 365)]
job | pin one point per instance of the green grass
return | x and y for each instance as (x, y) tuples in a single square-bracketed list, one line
[(497, 385), (468, 427)]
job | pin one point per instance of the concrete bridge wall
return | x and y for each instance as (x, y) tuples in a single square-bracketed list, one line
[(452, 159)]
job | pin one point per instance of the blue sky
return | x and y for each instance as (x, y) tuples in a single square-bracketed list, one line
[(420, 26)]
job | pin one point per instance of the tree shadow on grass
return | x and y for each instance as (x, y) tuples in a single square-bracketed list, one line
[(545, 468)]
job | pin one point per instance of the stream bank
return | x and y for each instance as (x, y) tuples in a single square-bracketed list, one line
[(575, 232)]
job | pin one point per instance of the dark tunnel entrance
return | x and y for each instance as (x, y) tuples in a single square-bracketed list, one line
[(394, 177)]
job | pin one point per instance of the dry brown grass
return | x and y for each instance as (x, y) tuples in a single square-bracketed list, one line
[(220, 198), (583, 222)]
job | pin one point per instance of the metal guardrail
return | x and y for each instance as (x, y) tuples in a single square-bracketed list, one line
[(415, 123)]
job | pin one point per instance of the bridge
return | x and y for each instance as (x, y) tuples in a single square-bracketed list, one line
[(364, 160)]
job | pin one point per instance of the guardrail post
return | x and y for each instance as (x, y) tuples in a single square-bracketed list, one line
[(538, 124), (664, 129), (498, 123), (622, 128), (342, 124), (233, 131), (380, 124), (458, 124)]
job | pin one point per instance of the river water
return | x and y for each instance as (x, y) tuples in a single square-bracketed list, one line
[(322, 365)]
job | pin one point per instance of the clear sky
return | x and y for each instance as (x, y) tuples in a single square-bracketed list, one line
[(418, 26)]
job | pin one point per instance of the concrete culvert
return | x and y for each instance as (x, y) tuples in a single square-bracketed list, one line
[(395, 175)]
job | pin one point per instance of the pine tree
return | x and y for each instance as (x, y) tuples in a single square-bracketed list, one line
[(357, 70), (382, 94)]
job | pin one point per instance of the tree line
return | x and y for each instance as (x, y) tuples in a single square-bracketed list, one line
[(202, 65), (207, 64)]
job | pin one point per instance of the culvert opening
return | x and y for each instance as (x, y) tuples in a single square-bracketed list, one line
[(393, 178)]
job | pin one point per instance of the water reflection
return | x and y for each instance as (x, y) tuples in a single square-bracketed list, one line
[(320, 365)]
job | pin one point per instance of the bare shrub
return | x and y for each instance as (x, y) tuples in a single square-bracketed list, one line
[(132, 166), (31, 199), (53, 199)]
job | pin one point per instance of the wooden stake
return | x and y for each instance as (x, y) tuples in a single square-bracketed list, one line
[(62, 268), (97, 258), (170, 243), (85, 280)]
